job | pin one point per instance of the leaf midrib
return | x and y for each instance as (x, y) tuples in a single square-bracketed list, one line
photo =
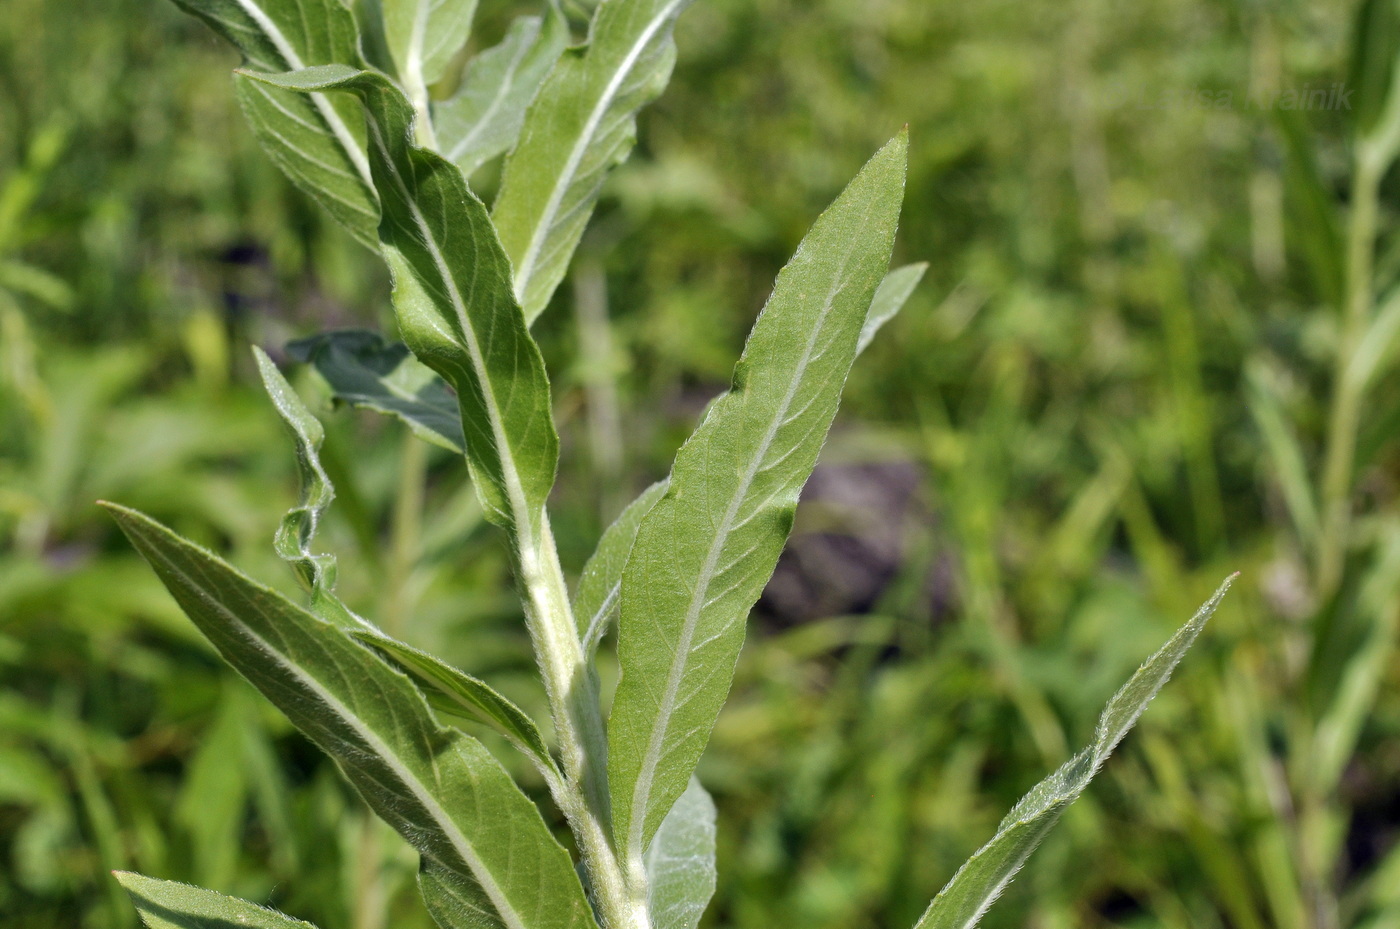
[(524, 529), (406, 777), (565, 179), (294, 63), (414, 63), (502, 92), (645, 776)]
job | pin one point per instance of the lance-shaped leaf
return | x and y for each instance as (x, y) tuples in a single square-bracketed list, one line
[(483, 119), (425, 35), (582, 124), (709, 545), (438, 787), (169, 905), (365, 370), (979, 882), (316, 572), (890, 298), (600, 584), (453, 298), (316, 144), (460, 694), (680, 863)]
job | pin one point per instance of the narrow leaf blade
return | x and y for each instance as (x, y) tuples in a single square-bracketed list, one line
[(438, 787), (452, 902), (169, 905), (582, 124), (681, 861), (317, 145), (425, 35), (484, 118), (452, 294), (895, 290), (976, 886), (365, 370), (469, 695), (706, 549), (316, 572)]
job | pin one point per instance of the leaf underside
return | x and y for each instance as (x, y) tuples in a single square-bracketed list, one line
[(680, 863), (484, 118), (582, 124), (316, 572)]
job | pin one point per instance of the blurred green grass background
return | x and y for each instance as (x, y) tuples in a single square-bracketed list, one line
[(1113, 388)]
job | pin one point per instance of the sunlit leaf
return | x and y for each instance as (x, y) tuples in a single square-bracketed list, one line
[(454, 304), (976, 886), (425, 35), (893, 293), (438, 787), (706, 549), (582, 124), (168, 905), (680, 863), (484, 118), (317, 144), (600, 584)]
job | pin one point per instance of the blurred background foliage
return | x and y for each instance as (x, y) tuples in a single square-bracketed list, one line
[(1152, 348)]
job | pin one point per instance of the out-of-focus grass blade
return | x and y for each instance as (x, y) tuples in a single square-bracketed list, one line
[(706, 549), (452, 294), (890, 298), (1358, 673), (976, 886), (438, 787), (424, 36), (214, 796), (316, 573), (1284, 451), (600, 584), (681, 861), (468, 696), (1312, 209), (169, 905), (582, 123), (1377, 347), (484, 118), (1375, 44), (316, 144), (365, 370)]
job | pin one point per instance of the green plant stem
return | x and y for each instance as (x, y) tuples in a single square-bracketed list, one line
[(423, 129), (1347, 392), (578, 721)]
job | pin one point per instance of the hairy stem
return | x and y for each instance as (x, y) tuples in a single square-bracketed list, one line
[(578, 722)]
